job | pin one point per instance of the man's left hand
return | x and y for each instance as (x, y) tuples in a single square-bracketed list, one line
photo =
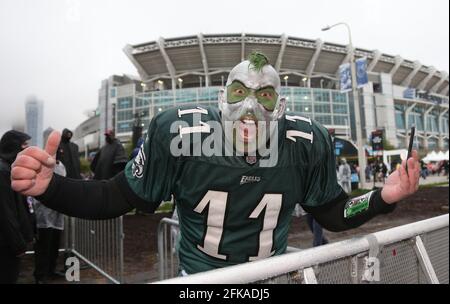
[(401, 184)]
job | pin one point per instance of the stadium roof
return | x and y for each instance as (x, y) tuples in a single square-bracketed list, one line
[(211, 57)]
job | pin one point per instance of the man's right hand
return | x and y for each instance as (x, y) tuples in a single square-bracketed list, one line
[(32, 170)]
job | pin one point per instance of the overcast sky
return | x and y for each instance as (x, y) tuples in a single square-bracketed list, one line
[(60, 50)]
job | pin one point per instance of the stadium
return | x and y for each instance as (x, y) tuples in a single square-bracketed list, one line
[(192, 70)]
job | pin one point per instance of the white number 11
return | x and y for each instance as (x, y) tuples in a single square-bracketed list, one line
[(217, 201)]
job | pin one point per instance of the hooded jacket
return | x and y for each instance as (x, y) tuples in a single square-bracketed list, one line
[(110, 160), (68, 154), (15, 220)]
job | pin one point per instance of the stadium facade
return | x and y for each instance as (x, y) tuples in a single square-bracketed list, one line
[(191, 71)]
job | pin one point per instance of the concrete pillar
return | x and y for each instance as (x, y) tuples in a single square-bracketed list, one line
[(385, 109)]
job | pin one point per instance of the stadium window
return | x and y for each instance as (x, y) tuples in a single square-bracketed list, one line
[(323, 119)]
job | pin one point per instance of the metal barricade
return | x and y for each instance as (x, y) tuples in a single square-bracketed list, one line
[(413, 253), (99, 244), (167, 253)]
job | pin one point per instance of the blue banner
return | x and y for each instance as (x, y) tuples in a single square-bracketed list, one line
[(345, 77), (361, 72)]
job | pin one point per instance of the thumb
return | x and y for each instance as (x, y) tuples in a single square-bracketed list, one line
[(53, 143)]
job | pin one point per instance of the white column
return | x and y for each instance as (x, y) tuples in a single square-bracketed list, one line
[(398, 62), (408, 110), (441, 132), (385, 109), (204, 59), (407, 81), (284, 39)]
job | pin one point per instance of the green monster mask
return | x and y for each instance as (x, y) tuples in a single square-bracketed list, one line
[(251, 102)]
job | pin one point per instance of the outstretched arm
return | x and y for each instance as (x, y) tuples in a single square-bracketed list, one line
[(94, 200), (32, 174), (345, 213)]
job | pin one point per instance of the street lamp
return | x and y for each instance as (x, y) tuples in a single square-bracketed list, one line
[(359, 137), (286, 80), (305, 79)]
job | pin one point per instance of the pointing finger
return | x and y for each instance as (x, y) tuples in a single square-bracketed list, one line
[(413, 174), (404, 180), (415, 155)]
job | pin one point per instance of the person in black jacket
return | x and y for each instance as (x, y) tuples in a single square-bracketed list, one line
[(16, 231), (68, 154), (110, 160)]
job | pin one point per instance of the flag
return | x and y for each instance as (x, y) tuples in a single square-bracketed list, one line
[(345, 77), (361, 72)]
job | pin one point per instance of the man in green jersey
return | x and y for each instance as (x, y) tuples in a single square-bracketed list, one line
[(235, 172)]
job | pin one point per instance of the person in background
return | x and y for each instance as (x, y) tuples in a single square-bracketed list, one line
[(69, 155), (317, 230), (50, 224), (423, 169), (345, 175), (384, 171), (314, 226), (16, 231), (110, 160), (368, 172)]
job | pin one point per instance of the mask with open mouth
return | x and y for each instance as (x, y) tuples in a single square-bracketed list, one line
[(251, 102)]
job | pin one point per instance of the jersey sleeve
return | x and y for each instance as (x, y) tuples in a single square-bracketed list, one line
[(321, 182), (150, 174)]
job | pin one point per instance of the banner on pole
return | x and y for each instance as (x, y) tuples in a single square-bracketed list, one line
[(361, 72), (345, 77)]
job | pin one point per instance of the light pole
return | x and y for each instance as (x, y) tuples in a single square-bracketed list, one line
[(359, 137), (286, 80)]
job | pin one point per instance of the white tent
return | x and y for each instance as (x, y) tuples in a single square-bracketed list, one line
[(440, 156), (435, 157)]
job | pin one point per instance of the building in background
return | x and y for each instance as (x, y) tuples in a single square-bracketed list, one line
[(112, 88), (192, 70), (34, 119), (89, 134)]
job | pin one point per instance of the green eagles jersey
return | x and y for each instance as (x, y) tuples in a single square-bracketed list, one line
[(231, 211)]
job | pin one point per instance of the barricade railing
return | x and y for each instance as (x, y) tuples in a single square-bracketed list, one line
[(99, 244), (412, 253)]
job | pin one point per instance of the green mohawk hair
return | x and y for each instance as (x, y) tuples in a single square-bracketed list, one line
[(258, 60)]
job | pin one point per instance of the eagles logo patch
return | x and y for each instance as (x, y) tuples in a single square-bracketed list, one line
[(138, 163)]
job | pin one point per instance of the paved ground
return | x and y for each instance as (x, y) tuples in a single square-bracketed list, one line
[(140, 262)]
